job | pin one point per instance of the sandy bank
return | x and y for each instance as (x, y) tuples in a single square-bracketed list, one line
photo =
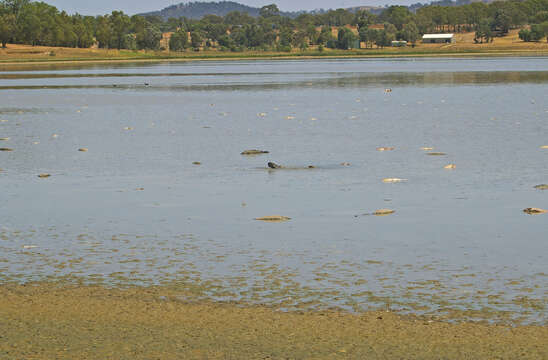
[(77, 322)]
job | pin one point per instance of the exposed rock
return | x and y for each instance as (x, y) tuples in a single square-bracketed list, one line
[(533, 211), (393, 180), (274, 165), (254, 152), (273, 218), (383, 212)]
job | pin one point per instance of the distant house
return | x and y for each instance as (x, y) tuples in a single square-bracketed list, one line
[(438, 38), (399, 43)]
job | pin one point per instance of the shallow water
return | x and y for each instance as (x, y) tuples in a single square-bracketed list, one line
[(135, 209)]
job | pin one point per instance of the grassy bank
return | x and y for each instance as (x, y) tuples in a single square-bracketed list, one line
[(506, 46), (69, 322)]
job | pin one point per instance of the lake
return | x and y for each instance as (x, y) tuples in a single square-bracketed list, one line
[(135, 209)]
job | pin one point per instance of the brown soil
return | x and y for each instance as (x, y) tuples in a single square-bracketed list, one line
[(49, 321)]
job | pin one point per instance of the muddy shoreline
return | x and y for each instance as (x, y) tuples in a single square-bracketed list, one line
[(68, 321)]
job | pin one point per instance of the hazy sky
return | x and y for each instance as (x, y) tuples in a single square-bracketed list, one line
[(95, 7)]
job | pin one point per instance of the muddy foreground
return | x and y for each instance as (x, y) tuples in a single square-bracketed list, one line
[(48, 321)]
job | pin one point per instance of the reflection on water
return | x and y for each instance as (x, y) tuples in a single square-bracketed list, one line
[(136, 208)]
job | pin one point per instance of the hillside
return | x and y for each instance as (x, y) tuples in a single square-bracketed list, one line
[(196, 10)]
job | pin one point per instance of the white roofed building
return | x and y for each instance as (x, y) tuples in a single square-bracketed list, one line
[(438, 38)]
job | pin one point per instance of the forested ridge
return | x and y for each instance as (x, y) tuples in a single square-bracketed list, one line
[(37, 23)]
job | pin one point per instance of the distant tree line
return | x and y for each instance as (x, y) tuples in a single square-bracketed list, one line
[(37, 23)]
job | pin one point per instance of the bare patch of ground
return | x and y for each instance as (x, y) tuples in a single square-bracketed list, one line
[(62, 321)]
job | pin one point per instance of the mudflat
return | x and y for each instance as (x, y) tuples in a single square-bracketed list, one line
[(49, 320)]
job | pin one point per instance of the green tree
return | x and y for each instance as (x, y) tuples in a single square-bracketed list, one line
[(178, 40), (525, 35), (410, 33), (268, 11), (7, 28), (325, 35), (537, 32), (120, 25), (196, 39), (345, 38), (149, 38), (396, 15)]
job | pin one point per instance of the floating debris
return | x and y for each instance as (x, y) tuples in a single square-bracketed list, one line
[(544, 147), (388, 90), (542, 187), (36, 142), (6, 149), (261, 114), (425, 148), (533, 211), (83, 149), (290, 117), (273, 218), (383, 212), (385, 148), (196, 163), (313, 119), (29, 246), (128, 128), (4, 139), (140, 189), (54, 136), (274, 165), (311, 167), (345, 164), (436, 154), (253, 152), (44, 175), (393, 180), (450, 166)]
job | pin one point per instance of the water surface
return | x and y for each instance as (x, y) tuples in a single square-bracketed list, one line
[(135, 209)]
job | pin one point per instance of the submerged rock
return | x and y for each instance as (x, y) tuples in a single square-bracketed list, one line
[(385, 148), (532, 211), (383, 212), (542, 187), (273, 218), (254, 152)]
